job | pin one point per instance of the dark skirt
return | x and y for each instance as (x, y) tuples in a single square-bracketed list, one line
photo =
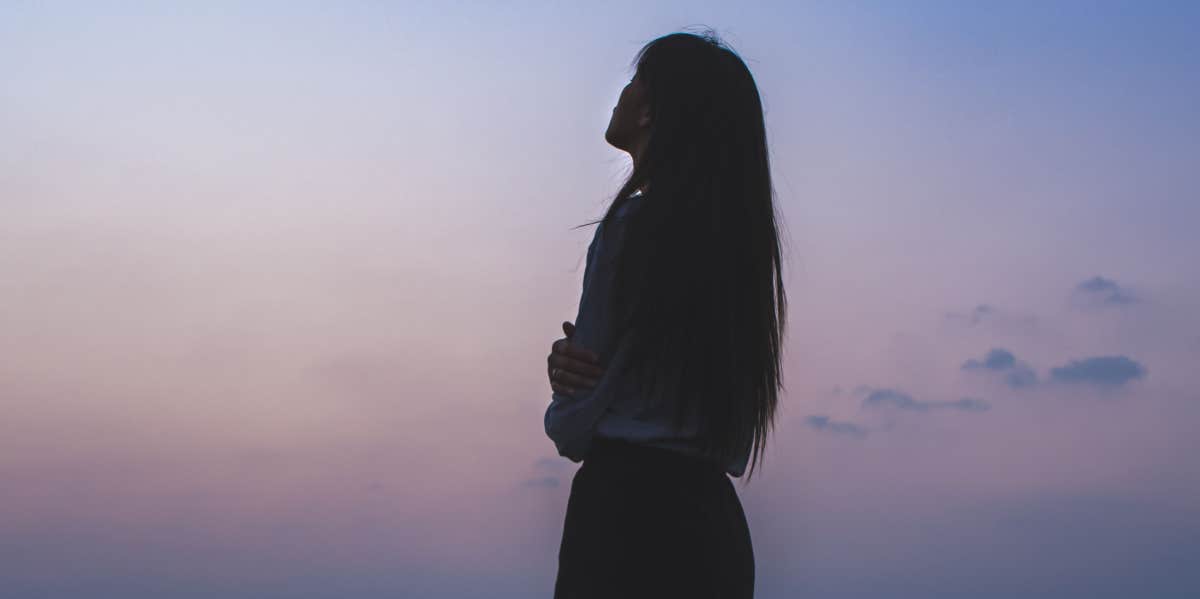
[(649, 522)]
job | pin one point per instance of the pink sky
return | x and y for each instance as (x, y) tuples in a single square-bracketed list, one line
[(279, 284)]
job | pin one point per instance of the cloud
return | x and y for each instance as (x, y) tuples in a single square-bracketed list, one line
[(1099, 291), (550, 463), (996, 359), (976, 315), (992, 316), (823, 423), (898, 399), (1017, 374), (551, 470), (1111, 371), (546, 482)]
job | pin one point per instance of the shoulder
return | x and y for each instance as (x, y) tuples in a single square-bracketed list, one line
[(606, 237)]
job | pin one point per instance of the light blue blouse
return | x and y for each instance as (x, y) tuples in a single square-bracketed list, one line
[(612, 408)]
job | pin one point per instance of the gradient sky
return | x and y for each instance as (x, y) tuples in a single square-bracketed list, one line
[(279, 281)]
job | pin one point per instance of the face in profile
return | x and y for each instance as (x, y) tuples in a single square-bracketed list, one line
[(630, 123)]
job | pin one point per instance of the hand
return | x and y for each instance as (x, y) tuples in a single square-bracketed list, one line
[(576, 366)]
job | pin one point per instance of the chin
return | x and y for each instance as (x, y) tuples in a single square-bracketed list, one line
[(616, 143)]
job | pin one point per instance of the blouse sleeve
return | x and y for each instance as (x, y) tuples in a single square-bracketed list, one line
[(570, 420)]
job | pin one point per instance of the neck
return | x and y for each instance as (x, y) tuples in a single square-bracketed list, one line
[(638, 149)]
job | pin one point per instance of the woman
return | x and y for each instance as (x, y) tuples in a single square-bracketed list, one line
[(670, 379)]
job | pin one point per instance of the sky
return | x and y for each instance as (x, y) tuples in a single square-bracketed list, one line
[(279, 280)]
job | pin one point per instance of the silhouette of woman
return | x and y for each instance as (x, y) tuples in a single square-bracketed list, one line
[(669, 378)]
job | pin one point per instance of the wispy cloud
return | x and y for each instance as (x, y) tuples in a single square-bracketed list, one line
[(550, 463), (1110, 371), (546, 482), (975, 316), (992, 316), (1016, 374), (550, 471), (1099, 291), (881, 398), (824, 423)]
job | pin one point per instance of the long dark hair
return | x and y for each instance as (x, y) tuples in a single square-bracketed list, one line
[(698, 282)]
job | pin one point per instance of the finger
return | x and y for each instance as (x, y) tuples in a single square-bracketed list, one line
[(568, 328), (576, 351), (580, 368), (568, 364), (562, 389)]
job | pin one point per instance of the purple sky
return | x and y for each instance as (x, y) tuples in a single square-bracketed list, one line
[(279, 282)]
